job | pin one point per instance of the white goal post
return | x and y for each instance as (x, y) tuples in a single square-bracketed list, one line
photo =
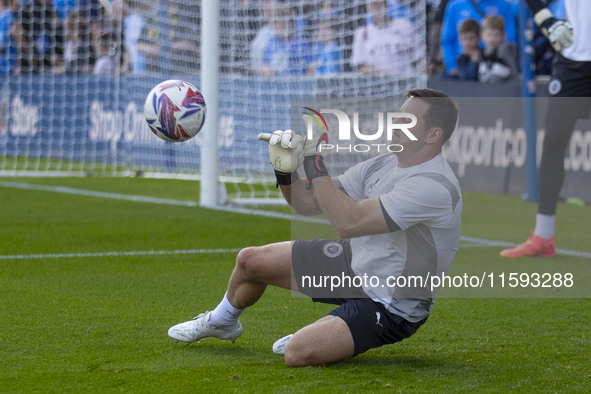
[(210, 73)]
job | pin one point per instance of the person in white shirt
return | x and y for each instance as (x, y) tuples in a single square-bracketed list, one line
[(402, 213), (386, 47), (262, 37)]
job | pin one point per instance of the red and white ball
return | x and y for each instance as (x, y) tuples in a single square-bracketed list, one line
[(175, 110)]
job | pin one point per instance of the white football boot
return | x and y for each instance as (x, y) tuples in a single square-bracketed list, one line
[(280, 345), (198, 328)]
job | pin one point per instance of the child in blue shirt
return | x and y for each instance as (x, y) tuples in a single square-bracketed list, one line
[(471, 55)]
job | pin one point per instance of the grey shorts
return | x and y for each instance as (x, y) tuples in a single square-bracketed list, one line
[(370, 323)]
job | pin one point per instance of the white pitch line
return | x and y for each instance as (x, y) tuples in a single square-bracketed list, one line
[(111, 254), (277, 215), (92, 193), (479, 242), (165, 201), (486, 242), (271, 214)]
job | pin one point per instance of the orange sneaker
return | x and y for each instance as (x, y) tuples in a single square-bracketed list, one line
[(533, 247)]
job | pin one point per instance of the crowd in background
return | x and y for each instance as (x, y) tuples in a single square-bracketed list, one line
[(466, 39), (101, 37), (477, 40)]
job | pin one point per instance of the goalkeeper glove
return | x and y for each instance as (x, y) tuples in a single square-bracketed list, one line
[(315, 150), (558, 31), (285, 153)]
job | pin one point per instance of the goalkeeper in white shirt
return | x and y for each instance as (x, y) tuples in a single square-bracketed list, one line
[(571, 77), (402, 214)]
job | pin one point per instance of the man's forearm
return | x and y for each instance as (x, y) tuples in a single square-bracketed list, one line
[(334, 204), (349, 218), (300, 198)]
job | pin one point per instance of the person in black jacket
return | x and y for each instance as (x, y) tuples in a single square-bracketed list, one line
[(571, 77), (40, 37)]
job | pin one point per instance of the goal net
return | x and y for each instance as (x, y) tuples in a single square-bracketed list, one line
[(74, 80)]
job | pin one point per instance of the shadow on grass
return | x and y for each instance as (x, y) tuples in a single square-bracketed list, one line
[(218, 348), (376, 359), (397, 360)]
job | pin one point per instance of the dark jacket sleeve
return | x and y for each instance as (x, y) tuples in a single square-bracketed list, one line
[(467, 69), (510, 55)]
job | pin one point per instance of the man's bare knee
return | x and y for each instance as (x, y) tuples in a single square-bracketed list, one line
[(298, 354), (269, 264), (325, 341), (246, 261)]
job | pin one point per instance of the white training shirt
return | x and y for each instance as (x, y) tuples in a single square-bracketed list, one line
[(393, 49), (425, 202), (578, 13)]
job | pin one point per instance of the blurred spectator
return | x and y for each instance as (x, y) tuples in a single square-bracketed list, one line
[(107, 63), (326, 50), (79, 56), (385, 46), (471, 55), (94, 12), (115, 24), (350, 16), (306, 17), (329, 9), (434, 21), (397, 9), (499, 60), (182, 39), (40, 38), (64, 7), (107, 16), (133, 24), (354, 15), (287, 53), (262, 37), (239, 22), (459, 10), (7, 49), (402, 9)]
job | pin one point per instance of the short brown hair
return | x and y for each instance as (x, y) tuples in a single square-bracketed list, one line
[(442, 112), (494, 22), (470, 26)]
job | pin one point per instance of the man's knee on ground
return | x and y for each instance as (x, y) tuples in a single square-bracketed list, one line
[(299, 354)]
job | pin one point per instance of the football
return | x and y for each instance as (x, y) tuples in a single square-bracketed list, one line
[(175, 110)]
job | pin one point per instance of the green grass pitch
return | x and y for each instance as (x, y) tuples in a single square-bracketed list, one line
[(98, 322)]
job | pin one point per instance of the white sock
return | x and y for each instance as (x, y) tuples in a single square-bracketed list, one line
[(545, 225), (225, 314)]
